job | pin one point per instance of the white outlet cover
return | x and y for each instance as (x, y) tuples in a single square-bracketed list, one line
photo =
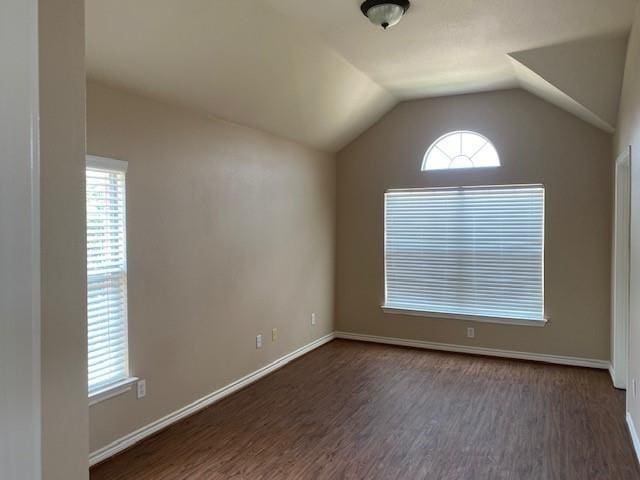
[(274, 334), (313, 319), (259, 341), (141, 388), (471, 332)]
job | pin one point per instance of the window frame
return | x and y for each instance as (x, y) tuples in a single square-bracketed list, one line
[(434, 145), (124, 384), (389, 309)]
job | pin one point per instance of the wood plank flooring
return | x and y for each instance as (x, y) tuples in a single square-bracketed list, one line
[(351, 410)]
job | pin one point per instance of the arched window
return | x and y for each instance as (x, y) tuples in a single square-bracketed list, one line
[(461, 150)]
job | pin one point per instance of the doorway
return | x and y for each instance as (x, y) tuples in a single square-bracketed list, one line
[(621, 271)]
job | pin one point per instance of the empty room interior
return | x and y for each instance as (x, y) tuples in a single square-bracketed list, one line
[(330, 239)]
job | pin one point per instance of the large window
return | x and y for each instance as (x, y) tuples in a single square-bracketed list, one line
[(467, 252), (107, 273)]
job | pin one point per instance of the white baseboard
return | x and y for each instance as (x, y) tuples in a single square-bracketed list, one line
[(612, 374), (492, 352), (140, 434), (619, 384), (634, 435)]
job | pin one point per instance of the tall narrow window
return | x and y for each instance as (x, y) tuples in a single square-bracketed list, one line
[(107, 273), (474, 252)]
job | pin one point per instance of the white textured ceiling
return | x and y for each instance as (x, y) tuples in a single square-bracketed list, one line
[(454, 46), (318, 72), (583, 76), (239, 60)]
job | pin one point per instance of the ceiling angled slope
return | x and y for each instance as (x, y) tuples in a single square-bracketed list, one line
[(454, 46), (582, 76), (321, 76), (238, 60)]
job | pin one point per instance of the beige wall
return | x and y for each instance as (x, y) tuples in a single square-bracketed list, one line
[(538, 143), (629, 134), (63, 239), (230, 234)]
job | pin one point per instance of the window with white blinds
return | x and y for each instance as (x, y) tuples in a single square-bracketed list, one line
[(466, 252), (107, 273)]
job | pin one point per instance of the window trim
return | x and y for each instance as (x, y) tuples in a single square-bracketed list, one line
[(395, 310), (104, 163), (123, 385), (470, 318), (113, 390)]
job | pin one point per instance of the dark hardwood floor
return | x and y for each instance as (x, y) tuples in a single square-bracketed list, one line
[(352, 410)]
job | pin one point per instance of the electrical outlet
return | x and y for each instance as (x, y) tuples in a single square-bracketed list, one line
[(313, 319), (471, 332), (259, 341), (274, 334), (634, 388), (141, 389)]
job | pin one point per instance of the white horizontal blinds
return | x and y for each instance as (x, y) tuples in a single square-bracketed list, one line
[(466, 251), (107, 277)]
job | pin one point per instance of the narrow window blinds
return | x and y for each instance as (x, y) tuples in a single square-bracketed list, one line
[(107, 274), (476, 251)]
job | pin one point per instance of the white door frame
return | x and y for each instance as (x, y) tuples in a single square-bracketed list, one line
[(621, 271), (20, 417)]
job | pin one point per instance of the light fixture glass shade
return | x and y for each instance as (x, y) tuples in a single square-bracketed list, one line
[(385, 15)]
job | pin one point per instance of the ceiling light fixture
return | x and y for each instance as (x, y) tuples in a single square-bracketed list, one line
[(385, 13)]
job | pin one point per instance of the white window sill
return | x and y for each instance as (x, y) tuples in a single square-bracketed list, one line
[(112, 390), (472, 318)]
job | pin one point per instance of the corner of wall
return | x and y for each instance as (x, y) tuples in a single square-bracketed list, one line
[(65, 421)]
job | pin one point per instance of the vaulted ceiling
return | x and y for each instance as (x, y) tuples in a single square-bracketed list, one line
[(318, 73)]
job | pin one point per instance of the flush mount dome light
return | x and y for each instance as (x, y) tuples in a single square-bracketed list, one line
[(385, 13)]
